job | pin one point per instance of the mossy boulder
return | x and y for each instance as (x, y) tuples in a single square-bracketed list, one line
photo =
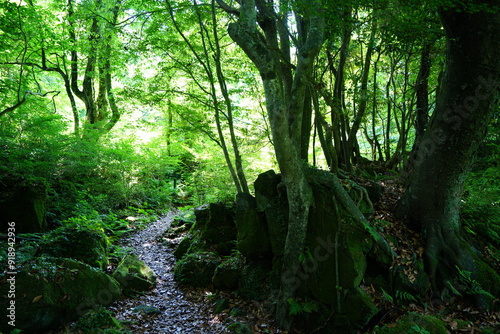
[(253, 238), (87, 246), (215, 226), (415, 323), (335, 257), (227, 274), (197, 269), (23, 204), (96, 321), (184, 246), (146, 309), (271, 201), (134, 275), (254, 280), (356, 310), (52, 291)]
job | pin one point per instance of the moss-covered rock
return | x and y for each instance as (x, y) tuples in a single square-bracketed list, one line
[(357, 310), (134, 275), (270, 199), (87, 246), (52, 291), (227, 274), (184, 245), (252, 239), (221, 305), (335, 257), (488, 280), (96, 321), (23, 204), (415, 323), (196, 269), (254, 280), (215, 226)]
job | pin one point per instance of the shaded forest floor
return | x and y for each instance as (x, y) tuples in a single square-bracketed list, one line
[(459, 312), (182, 309)]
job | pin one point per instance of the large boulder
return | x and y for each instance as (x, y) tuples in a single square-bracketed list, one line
[(215, 226), (228, 273), (254, 280), (134, 275), (50, 292), (197, 269), (87, 246), (335, 259), (253, 238), (25, 205), (270, 198)]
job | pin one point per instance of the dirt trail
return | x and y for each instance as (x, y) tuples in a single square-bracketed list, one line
[(180, 313)]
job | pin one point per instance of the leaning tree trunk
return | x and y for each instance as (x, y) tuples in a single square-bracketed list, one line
[(468, 98)]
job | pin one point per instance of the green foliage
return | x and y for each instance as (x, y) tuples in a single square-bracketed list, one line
[(405, 296), (100, 320), (416, 329), (472, 286), (480, 211), (298, 306)]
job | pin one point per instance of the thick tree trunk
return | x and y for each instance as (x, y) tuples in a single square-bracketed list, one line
[(285, 108), (465, 104)]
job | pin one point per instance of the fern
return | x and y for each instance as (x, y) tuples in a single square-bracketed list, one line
[(298, 307), (387, 296), (404, 295), (473, 286)]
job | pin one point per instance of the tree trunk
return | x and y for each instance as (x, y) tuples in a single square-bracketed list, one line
[(468, 97), (286, 117), (352, 138)]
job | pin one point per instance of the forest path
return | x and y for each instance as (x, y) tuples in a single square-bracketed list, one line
[(180, 313)]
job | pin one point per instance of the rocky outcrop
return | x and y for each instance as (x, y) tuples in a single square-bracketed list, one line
[(333, 264), (50, 292), (25, 205), (87, 246)]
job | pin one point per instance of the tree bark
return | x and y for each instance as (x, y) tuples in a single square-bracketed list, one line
[(468, 97), (286, 118)]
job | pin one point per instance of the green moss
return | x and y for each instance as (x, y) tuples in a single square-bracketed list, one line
[(96, 321), (55, 291), (87, 246), (253, 239), (489, 280), (414, 323), (146, 309), (215, 226), (196, 269), (239, 328), (227, 274), (254, 279), (134, 275)]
